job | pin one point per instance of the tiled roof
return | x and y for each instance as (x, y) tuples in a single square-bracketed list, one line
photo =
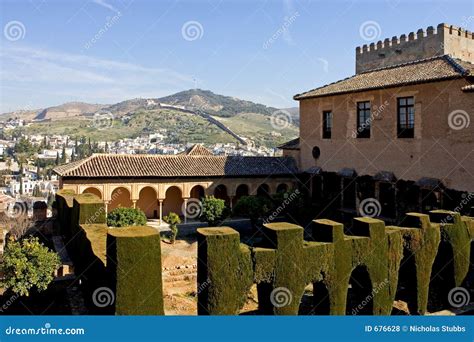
[(420, 71), (291, 145), (197, 150), (149, 165)]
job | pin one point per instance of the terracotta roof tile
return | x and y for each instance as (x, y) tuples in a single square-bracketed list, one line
[(420, 71), (149, 165), (197, 150)]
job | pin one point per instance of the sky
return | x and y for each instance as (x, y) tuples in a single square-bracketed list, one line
[(107, 51)]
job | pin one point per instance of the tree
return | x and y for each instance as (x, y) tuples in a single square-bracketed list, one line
[(213, 210), (63, 155), (173, 220), (252, 207), (125, 217), (37, 191), (28, 265)]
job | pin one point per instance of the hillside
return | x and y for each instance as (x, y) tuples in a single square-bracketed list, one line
[(220, 119), (68, 110), (215, 104)]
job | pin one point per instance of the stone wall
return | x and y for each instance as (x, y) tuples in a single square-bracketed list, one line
[(436, 151), (447, 39)]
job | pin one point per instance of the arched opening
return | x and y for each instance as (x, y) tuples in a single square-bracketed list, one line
[(197, 192), (120, 198), (282, 188), (442, 278), (93, 191), (360, 299), (147, 202), (315, 300), (173, 201), (221, 192), (263, 190), (241, 191), (407, 284)]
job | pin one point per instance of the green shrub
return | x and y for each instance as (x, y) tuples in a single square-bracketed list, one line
[(27, 265), (213, 210), (253, 207), (126, 217), (173, 220), (134, 266)]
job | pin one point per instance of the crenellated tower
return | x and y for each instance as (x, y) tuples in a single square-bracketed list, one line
[(445, 40)]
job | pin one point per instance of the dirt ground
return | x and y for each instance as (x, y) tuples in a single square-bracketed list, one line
[(180, 279)]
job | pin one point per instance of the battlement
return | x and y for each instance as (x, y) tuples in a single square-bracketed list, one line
[(445, 40)]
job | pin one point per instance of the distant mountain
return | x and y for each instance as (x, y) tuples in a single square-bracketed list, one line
[(196, 115), (68, 110), (215, 104), (294, 113)]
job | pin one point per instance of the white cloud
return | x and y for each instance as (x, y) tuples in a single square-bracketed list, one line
[(66, 75), (103, 3)]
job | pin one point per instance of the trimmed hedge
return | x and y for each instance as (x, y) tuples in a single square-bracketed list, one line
[(134, 265), (64, 203), (92, 245), (224, 271), (285, 263)]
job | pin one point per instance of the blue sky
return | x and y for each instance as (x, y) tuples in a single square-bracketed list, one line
[(106, 51)]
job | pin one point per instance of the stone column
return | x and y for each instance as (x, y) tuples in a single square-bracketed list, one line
[(231, 199), (185, 210), (161, 211), (134, 204), (106, 204)]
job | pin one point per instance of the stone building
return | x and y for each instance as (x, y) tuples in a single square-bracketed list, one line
[(159, 184), (406, 112)]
